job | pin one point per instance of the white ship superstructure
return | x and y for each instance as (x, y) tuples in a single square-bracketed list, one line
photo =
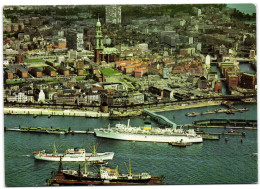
[(152, 134)]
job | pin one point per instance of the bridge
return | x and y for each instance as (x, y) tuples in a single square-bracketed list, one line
[(161, 119)]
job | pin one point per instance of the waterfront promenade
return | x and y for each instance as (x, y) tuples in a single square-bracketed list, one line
[(49, 112), (83, 113)]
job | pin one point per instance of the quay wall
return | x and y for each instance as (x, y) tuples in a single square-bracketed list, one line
[(49, 112)]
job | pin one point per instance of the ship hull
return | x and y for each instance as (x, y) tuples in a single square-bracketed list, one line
[(99, 158), (123, 180), (148, 138)]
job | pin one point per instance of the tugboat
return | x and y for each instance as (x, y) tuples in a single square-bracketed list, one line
[(105, 176), (74, 154)]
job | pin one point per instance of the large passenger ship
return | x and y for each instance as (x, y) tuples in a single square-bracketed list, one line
[(148, 134)]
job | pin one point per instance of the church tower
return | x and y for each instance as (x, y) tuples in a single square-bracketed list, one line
[(99, 42)]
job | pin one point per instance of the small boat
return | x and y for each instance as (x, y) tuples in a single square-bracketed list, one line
[(181, 144), (197, 130), (232, 131), (193, 114)]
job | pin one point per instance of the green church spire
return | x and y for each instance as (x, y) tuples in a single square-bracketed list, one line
[(99, 37)]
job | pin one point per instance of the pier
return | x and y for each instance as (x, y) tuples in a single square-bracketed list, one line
[(160, 119), (47, 130)]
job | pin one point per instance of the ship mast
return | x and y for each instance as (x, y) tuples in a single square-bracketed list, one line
[(117, 172), (94, 150), (79, 173), (54, 148), (128, 168), (86, 168)]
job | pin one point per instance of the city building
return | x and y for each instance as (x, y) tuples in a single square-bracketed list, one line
[(22, 72), (64, 71), (136, 98), (36, 72), (165, 73), (9, 74), (113, 14), (232, 80), (50, 71), (248, 81), (41, 96), (61, 43), (74, 40), (202, 83), (168, 93), (156, 90), (17, 97), (19, 59), (218, 86)]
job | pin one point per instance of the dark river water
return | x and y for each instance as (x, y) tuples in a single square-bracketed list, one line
[(210, 162)]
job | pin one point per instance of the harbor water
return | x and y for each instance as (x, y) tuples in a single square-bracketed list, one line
[(210, 162), (244, 7)]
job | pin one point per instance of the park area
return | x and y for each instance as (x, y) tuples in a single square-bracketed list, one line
[(109, 72)]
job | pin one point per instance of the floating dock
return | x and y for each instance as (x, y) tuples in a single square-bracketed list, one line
[(228, 123), (227, 111), (208, 135)]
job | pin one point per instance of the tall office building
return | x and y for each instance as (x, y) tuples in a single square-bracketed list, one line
[(113, 14), (75, 40)]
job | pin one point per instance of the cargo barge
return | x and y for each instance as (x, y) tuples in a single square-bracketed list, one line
[(226, 122)]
